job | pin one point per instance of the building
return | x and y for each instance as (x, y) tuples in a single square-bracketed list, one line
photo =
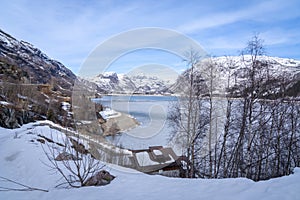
[(159, 160)]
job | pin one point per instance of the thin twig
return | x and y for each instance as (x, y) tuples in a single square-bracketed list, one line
[(26, 187)]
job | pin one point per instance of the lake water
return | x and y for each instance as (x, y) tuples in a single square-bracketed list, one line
[(150, 112)]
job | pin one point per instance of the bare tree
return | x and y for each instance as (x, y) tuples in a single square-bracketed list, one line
[(185, 116), (267, 137), (251, 93), (259, 138), (222, 160), (71, 160)]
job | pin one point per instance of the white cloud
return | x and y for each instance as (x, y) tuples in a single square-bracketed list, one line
[(279, 36), (265, 10)]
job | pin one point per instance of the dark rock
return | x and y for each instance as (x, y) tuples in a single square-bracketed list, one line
[(102, 177), (47, 139), (10, 117), (66, 156), (41, 141), (78, 147)]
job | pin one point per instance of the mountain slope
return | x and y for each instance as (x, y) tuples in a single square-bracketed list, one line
[(39, 67), (112, 82), (33, 86), (230, 74), (233, 74)]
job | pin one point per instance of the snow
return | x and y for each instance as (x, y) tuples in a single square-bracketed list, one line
[(125, 84), (5, 103), (144, 159), (157, 152), (85, 122), (65, 106), (109, 113), (21, 160), (234, 69), (22, 97), (115, 83), (108, 74)]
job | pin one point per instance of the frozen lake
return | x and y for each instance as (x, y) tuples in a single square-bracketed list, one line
[(150, 112)]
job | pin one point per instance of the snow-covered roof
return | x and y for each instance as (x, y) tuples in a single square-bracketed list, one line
[(153, 159), (109, 113)]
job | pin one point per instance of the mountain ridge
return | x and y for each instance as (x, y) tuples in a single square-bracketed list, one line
[(33, 86), (231, 73), (114, 83), (37, 64), (236, 66)]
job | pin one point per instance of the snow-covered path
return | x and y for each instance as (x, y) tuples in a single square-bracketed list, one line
[(20, 160)]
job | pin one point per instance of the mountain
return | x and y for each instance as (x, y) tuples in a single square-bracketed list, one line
[(37, 67), (32, 85), (150, 84), (276, 76), (112, 82), (279, 70)]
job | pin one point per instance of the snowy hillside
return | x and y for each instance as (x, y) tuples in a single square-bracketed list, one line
[(112, 82), (236, 66), (36, 66), (232, 72), (22, 160), (33, 86), (150, 84)]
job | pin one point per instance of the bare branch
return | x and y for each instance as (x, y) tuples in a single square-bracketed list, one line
[(24, 187)]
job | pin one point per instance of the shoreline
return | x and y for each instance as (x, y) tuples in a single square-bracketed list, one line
[(121, 123), (116, 94)]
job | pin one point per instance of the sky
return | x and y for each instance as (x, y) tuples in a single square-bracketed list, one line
[(70, 30)]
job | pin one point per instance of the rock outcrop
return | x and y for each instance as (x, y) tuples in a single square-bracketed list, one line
[(99, 179)]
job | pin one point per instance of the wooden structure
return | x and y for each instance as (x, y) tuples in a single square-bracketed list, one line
[(159, 160)]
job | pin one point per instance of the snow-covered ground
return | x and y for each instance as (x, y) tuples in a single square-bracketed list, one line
[(109, 113), (21, 159)]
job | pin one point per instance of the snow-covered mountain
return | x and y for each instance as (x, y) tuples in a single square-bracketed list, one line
[(32, 85), (232, 73), (150, 84), (35, 65), (112, 82)]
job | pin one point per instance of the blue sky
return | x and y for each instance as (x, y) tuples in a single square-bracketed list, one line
[(70, 30)]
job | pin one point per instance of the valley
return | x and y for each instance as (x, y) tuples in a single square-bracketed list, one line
[(228, 125)]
